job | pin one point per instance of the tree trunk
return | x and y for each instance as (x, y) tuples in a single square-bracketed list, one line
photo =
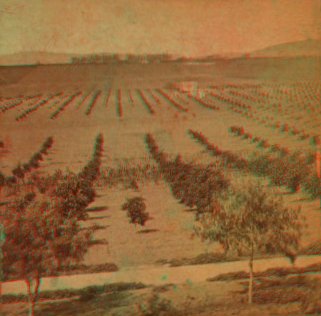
[(251, 281), (32, 296)]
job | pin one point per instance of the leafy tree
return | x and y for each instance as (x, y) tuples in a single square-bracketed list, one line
[(135, 208), (73, 194), (251, 221), (38, 240)]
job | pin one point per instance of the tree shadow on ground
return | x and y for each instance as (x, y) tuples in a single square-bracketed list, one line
[(98, 242), (98, 217), (100, 227), (147, 231), (97, 209), (100, 304)]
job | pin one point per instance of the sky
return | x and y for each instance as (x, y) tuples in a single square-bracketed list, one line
[(183, 27)]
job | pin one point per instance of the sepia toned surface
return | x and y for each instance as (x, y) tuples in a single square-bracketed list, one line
[(160, 157)]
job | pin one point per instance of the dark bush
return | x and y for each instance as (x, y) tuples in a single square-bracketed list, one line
[(135, 208)]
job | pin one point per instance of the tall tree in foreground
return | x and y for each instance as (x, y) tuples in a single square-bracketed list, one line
[(250, 222), (38, 240)]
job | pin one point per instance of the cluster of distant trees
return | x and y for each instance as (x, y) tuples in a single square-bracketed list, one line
[(117, 59)]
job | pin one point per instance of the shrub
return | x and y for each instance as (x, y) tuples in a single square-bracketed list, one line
[(154, 306), (135, 208)]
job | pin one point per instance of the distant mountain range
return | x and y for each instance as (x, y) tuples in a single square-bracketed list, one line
[(294, 49)]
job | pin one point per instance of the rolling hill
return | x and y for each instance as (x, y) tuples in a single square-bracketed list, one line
[(303, 48)]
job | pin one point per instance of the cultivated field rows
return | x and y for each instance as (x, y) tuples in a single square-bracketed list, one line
[(124, 117)]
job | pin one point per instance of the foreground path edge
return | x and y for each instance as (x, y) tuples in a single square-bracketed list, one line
[(155, 275)]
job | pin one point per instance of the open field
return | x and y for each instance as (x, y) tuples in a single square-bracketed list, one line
[(74, 103)]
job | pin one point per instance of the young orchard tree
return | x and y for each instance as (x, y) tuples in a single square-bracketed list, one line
[(252, 221), (38, 240), (135, 208), (19, 172), (196, 185), (72, 194)]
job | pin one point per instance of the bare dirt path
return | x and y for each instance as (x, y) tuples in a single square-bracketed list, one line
[(152, 275)]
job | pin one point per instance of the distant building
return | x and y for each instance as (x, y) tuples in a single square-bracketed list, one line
[(191, 88), (187, 86)]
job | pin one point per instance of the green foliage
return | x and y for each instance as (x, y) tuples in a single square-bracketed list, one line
[(135, 208)]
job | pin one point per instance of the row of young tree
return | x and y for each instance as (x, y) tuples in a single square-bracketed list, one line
[(195, 186), (247, 220), (292, 170), (20, 172), (43, 231)]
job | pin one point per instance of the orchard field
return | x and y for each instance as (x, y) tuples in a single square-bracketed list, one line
[(248, 128)]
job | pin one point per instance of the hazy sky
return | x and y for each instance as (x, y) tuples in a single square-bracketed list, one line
[(190, 27)]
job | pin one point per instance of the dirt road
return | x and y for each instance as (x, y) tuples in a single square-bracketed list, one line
[(156, 275)]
